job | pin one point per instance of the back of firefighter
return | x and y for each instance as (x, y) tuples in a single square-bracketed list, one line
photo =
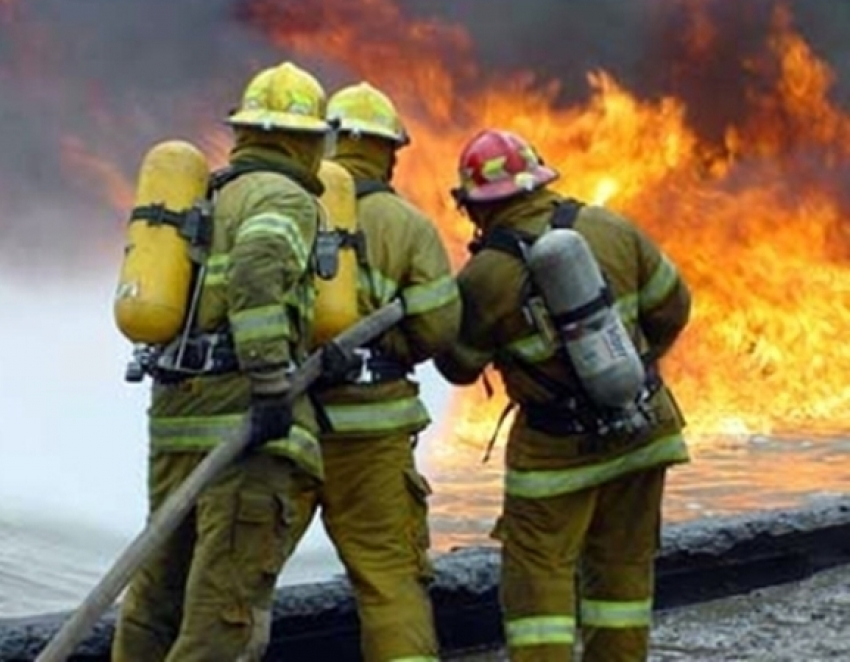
[(582, 510), (374, 501), (206, 593)]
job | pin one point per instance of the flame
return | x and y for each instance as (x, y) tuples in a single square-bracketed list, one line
[(753, 223), (753, 215)]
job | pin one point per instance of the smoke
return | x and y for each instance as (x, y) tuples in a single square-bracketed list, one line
[(74, 449), (87, 87), (651, 46)]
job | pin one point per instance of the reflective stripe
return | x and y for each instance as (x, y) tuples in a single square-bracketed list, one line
[(494, 169), (302, 447), (422, 298), (201, 433), (380, 416), (533, 349), (540, 630), (259, 323), (216, 269), (616, 614), (659, 286), (192, 433), (543, 484), (276, 225), (384, 287), (627, 309), (415, 658)]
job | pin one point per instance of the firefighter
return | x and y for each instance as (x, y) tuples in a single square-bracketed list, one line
[(206, 593), (582, 497), (374, 501)]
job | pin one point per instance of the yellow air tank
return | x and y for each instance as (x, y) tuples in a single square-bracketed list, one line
[(156, 275), (336, 302)]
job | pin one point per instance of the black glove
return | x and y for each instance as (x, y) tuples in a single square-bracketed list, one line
[(271, 419), (338, 365)]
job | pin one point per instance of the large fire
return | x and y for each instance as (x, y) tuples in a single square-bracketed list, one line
[(753, 217), (752, 225)]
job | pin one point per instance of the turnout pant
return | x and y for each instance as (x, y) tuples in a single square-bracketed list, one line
[(374, 507), (581, 563), (205, 595)]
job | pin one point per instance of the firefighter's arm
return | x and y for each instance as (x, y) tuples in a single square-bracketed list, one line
[(465, 361), (269, 255), (664, 300), (431, 301)]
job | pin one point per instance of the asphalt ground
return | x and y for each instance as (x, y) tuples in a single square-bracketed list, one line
[(805, 621)]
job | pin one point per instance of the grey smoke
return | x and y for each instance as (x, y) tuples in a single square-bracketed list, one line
[(118, 75)]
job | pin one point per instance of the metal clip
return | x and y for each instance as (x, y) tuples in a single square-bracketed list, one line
[(327, 254)]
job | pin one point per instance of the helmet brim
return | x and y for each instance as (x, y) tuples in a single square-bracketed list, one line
[(359, 127), (507, 188), (271, 120)]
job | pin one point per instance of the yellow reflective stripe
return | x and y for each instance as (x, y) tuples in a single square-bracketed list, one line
[(543, 484), (533, 349), (384, 287), (259, 323), (192, 433), (627, 309), (302, 447), (401, 413), (659, 286), (616, 613), (276, 225), (494, 168), (216, 269), (540, 630), (421, 298), (201, 433)]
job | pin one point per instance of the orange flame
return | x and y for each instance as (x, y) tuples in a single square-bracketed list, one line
[(757, 232), (753, 221)]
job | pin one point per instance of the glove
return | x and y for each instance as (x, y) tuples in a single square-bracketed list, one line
[(271, 418), (338, 365)]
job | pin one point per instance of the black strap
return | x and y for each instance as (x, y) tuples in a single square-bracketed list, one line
[(220, 178), (364, 187), (512, 241), (245, 166), (604, 300), (158, 214), (322, 418), (504, 240), (193, 224), (566, 213)]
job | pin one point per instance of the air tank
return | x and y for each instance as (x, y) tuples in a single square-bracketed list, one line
[(156, 273), (569, 278)]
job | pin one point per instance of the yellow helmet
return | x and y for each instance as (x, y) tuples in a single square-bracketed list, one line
[(363, 109), (283, 97)]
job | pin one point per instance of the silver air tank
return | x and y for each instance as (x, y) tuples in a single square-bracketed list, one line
[(568, 276)]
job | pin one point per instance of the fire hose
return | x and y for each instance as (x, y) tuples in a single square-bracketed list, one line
[(165, 520)]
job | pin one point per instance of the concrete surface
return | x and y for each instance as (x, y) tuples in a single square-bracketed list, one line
[(700, 561), (805, 621)]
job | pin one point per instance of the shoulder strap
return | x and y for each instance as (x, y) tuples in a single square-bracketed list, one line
[(504, 240), (566, 213), (364, 187), (512, 241), (220, 178)]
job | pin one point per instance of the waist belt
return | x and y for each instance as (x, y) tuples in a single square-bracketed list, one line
[(368, 366), (198, 355), (379, 367), (577, 415)]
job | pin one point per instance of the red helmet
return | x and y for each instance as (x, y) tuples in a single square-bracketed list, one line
[(499, 164)]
